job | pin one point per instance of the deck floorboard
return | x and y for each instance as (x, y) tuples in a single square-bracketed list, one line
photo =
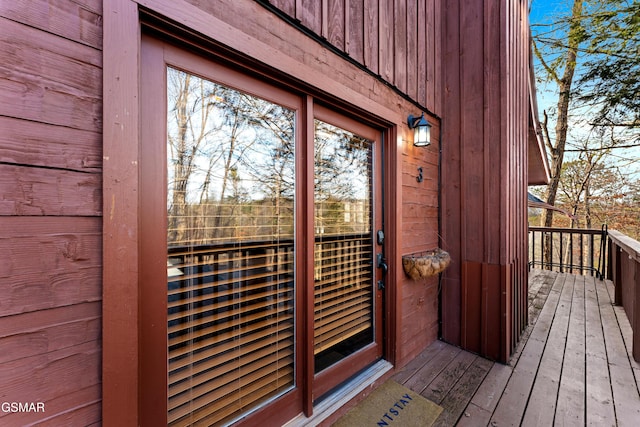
[(573, 365), (599, 400)]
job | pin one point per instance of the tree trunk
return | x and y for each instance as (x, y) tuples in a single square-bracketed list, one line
[(564, 97)]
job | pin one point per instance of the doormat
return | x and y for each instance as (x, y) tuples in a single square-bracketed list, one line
[(391, 405)]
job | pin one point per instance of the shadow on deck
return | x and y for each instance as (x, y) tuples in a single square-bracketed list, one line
[(573, 365)]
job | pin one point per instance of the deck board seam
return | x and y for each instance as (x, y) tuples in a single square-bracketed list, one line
[(555, 291), (514, 361), (596, 355), (558, 325), (575, 357), (477, 359), (619, 367), (564, 350), (606, 350), (423, 364), (627, 347)]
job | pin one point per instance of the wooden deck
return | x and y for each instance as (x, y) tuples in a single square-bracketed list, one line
[(573, 365)]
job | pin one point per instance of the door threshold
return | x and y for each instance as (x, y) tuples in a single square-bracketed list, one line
[(344, 394)]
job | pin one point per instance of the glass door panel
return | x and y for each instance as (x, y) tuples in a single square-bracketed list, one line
[(344, 273), (229, 232), (230, 260)]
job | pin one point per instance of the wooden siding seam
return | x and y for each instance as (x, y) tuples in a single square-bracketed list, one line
[(399, 62), (97, 49), (71, 410), (412, 50), (36, 336), (39, 308), (89, 171), (30, 329), (370, 41), (40, 144), (52, 22), (49, 123), (379, 65)]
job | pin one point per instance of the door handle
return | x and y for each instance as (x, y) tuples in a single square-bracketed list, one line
[(382, 263)]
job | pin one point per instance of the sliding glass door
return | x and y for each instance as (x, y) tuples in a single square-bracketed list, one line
[(230, 250), (347, 212), (258, 275)]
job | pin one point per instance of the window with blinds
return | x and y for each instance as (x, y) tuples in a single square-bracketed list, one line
[(343, 256), (230, 260)]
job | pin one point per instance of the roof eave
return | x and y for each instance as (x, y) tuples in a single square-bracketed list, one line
[(538, 167)]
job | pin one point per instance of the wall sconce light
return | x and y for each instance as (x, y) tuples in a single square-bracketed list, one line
[(421, 130)]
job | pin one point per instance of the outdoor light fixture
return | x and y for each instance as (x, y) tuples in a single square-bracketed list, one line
[(421, 130)]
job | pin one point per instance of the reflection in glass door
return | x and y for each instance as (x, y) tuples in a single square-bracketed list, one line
[(344, 271), (230, 261), (258, 295)]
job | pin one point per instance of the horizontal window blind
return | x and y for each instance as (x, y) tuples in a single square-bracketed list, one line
[(230, 260), (343, 291), (230, 328), (343, 254)]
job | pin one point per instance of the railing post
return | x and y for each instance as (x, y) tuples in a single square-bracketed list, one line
[(603, 255), (532, 239), (616, 272), (581, 254), (571, 253), (550, 243), (636, 315), (592, 255), (610, 253)]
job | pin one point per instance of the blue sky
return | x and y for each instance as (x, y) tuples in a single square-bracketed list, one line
[(543, 13)]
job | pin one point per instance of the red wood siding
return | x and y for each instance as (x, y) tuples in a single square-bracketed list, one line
[(57, 167), (418, 303), (120, 370), (249, 28), (396, 39), (50, 209), (484, 174), (399, 57)]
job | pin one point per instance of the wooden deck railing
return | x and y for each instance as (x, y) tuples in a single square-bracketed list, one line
[(233, 304), (606, 254), (624, 271), (568, 250)]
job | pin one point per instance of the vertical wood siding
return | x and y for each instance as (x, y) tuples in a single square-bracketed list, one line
[(371, 41), (51, 173), (50, 209), (398, 40), (484, 171)]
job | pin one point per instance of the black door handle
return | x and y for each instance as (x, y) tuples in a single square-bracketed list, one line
[(382, 263)]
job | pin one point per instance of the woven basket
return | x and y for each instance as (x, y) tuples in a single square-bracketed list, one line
[(419, 266)]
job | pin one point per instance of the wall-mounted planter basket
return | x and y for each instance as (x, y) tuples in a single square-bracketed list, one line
[(426, 264)]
